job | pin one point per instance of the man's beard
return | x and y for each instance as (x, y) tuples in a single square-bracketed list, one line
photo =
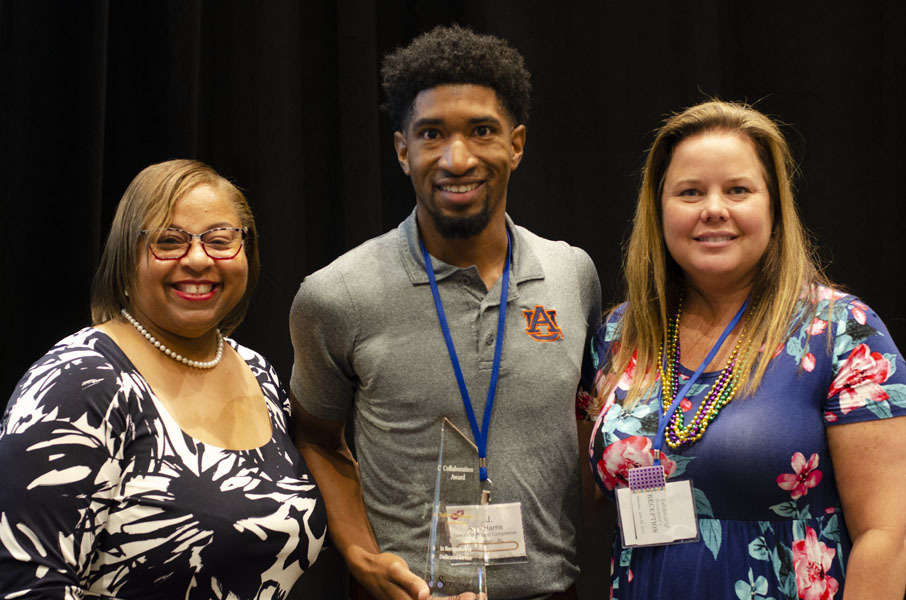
[(460, 227)]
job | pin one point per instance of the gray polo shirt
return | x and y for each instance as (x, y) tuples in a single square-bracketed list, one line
[(368, 343)]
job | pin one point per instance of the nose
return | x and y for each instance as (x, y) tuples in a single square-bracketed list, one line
[(457, 158), (715, 207), (196, 258)]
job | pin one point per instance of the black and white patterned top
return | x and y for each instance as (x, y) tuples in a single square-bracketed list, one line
[(103, 495)]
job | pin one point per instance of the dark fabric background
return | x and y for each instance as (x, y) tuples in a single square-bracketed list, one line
[(282, 97)]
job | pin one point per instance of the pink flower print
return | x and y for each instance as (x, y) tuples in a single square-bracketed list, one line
[(583, 402), (685, 404), (830, 417), (623, 383), (611, 575), (629, 453), (808, 362), (626, 379), (608, 404), (860, 379), (817, 327), (585, 399), (599, 378), (858, 314), (825, 293), (811, 561), (806, 475)]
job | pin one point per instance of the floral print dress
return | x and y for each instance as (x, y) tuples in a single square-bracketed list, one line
[(765, 495), (103, 496)]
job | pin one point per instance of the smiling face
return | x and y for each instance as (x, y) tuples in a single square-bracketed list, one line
[(459, 149), (189, 296), (716, 210)]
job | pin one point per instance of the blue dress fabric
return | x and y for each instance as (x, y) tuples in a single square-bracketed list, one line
[(103, 495), (765, 494)]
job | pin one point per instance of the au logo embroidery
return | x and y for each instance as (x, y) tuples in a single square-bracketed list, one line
[(541, 324)]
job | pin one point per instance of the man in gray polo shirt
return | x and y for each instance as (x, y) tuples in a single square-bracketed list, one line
[(369, 342)]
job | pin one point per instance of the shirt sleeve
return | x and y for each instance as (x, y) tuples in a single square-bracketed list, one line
[(869, 375), (588, 405), (61, 442), (590, 286), (323, 324)]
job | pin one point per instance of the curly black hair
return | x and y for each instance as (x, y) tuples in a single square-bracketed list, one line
[(455, 55)]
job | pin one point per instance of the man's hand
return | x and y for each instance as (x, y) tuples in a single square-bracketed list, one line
[(391, 579), (386, 576)]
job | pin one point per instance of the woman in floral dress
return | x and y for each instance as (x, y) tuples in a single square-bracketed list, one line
[(793, 434)]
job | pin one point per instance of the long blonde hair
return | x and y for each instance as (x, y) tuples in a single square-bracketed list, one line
[(654, 281)]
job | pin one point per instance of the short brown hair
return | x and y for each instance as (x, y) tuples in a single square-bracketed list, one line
[(148, 203)]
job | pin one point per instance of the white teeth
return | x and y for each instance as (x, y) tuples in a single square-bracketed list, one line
[(459, 189), (191, 288)]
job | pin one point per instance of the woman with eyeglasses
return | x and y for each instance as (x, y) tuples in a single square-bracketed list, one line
[(149, 456)]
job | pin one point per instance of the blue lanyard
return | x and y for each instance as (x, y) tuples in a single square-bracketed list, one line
[(481, 435), (664, 418)]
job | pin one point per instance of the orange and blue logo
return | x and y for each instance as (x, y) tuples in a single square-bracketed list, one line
[(541, 324)]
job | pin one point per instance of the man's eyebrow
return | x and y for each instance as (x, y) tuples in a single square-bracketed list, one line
[(486, 119), (434, 121), (425, 121)]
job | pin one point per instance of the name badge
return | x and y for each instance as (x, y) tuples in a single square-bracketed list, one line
[(491, 531), (653, 516)]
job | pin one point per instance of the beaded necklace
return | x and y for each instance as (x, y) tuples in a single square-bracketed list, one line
[(198, 364), (678, 433)]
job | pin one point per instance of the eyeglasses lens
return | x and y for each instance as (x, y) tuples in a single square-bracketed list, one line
[(218, 243)]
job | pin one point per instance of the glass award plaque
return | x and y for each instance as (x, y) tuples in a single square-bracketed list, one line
[(457, 557)]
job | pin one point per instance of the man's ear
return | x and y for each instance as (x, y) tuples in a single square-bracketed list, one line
[(517, 144), (402, 150)]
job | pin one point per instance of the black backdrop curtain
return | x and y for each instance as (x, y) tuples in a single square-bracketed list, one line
[(282, 97)]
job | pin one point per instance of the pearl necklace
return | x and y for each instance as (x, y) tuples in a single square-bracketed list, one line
[(720, 394), (175, 355)]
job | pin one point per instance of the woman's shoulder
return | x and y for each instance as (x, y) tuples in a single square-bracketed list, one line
[(607, 335), (832, 305), (88, 340), (85, 351), (611, 326), (818, 293), (79, 376), (616, 313), (868, 370)]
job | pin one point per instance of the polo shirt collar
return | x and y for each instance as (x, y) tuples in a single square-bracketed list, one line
[(525, 267)]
